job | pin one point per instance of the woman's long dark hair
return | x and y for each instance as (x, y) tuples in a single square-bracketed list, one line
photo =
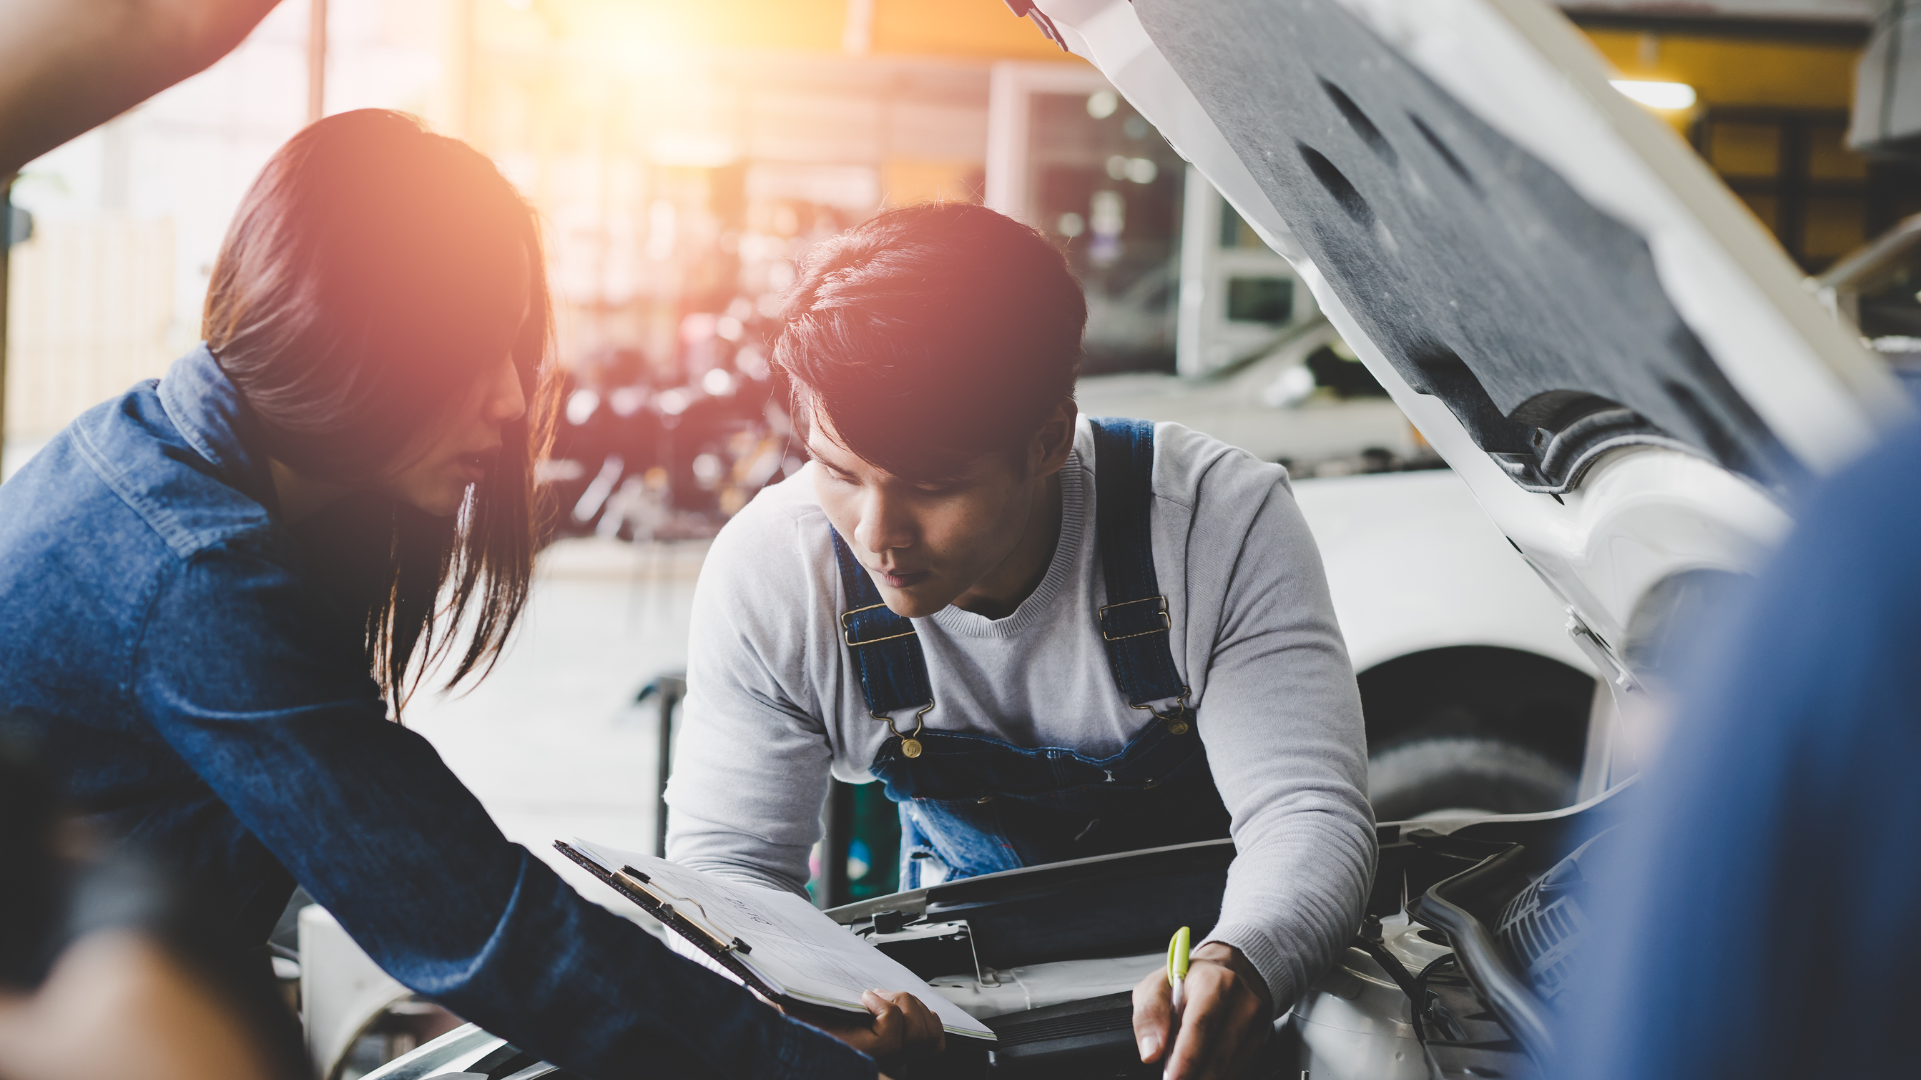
[(371, 274)]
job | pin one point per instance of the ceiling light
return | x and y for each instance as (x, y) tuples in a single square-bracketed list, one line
[(1667, 96)]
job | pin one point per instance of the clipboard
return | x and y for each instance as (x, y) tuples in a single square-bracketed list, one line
[(636, 885), (771, 941)]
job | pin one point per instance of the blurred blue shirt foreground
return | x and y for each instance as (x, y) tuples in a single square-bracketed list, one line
[(1765, 922)]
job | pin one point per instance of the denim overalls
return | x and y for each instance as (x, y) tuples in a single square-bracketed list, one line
[(970, 804)]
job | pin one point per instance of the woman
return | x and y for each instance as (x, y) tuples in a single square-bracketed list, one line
[(216, 587)]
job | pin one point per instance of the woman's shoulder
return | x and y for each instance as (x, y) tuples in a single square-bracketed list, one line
[(107, 520), (122, 477)]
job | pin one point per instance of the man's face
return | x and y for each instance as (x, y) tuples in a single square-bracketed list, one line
[(924, 543)]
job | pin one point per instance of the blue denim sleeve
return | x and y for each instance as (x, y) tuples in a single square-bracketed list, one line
[(261, 689)]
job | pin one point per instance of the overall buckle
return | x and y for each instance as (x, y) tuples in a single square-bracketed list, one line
[(1177, 719), (847, 628), (1166, 623)]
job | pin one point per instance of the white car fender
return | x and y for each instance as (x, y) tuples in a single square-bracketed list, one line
[(1415, 564)]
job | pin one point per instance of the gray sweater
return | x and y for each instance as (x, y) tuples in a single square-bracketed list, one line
[(774, 705)]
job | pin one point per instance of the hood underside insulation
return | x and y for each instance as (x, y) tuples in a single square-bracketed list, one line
[(1478, 271)]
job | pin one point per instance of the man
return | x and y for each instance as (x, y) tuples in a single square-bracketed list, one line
[(1048, 637)]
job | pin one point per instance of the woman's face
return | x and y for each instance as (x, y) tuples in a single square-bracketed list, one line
[(467, 445), (446, 461)]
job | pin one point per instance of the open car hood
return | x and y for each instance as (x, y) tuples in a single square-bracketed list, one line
[(1574, 311)]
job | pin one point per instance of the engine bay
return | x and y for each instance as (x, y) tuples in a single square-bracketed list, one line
[(1472, 932)]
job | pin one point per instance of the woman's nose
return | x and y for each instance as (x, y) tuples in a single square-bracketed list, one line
[(506, 400)]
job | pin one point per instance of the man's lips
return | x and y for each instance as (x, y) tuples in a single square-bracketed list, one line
[(900, 581)]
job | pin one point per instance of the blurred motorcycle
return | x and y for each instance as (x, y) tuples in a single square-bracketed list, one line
[(640, 461)]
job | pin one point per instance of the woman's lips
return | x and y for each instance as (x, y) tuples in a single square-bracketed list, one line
[(473, 467), (902, 581)]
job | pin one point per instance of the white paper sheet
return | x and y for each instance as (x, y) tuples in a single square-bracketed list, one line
[(795, 948)]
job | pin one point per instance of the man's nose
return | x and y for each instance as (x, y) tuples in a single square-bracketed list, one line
[(506, 400), (884, 524)]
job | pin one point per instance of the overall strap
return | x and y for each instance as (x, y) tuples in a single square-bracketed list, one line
[(1134, 623), (885, 646)]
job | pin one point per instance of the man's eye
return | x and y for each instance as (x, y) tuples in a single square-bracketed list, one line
[(935, 489)]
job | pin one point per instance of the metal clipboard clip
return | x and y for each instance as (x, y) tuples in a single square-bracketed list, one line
[(708, 926)]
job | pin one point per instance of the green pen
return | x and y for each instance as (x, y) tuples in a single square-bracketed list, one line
[(1177, 964)]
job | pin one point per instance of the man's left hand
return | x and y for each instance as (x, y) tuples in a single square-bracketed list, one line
[(1226, 1016)]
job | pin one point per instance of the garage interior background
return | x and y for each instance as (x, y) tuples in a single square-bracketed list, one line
[(678, 150), (682, 157)]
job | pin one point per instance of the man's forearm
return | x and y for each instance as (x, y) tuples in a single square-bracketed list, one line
[(1293, 898)]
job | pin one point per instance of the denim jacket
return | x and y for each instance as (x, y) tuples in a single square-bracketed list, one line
[(202, 695)]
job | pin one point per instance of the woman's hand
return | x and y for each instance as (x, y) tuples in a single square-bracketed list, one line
[(901, 1027), (1226, 1016)]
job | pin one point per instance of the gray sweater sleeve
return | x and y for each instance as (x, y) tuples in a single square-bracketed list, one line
[(752, 760), (1281, 719)]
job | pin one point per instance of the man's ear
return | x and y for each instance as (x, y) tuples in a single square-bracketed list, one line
[(1048, 452)]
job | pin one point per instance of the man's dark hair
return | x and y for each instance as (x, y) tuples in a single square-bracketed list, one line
[(931, 335)]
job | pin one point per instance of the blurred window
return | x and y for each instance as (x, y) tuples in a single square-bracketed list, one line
[(1260, 299), (1107, 188), (1792, 168), (1236, 232)]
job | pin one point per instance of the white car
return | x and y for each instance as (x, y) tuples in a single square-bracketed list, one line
[(1618, 363), (1475, 695)]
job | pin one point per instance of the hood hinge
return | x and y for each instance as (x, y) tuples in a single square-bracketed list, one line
[(1620, 679)]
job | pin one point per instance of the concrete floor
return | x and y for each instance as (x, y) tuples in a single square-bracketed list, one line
[(550, 741)]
